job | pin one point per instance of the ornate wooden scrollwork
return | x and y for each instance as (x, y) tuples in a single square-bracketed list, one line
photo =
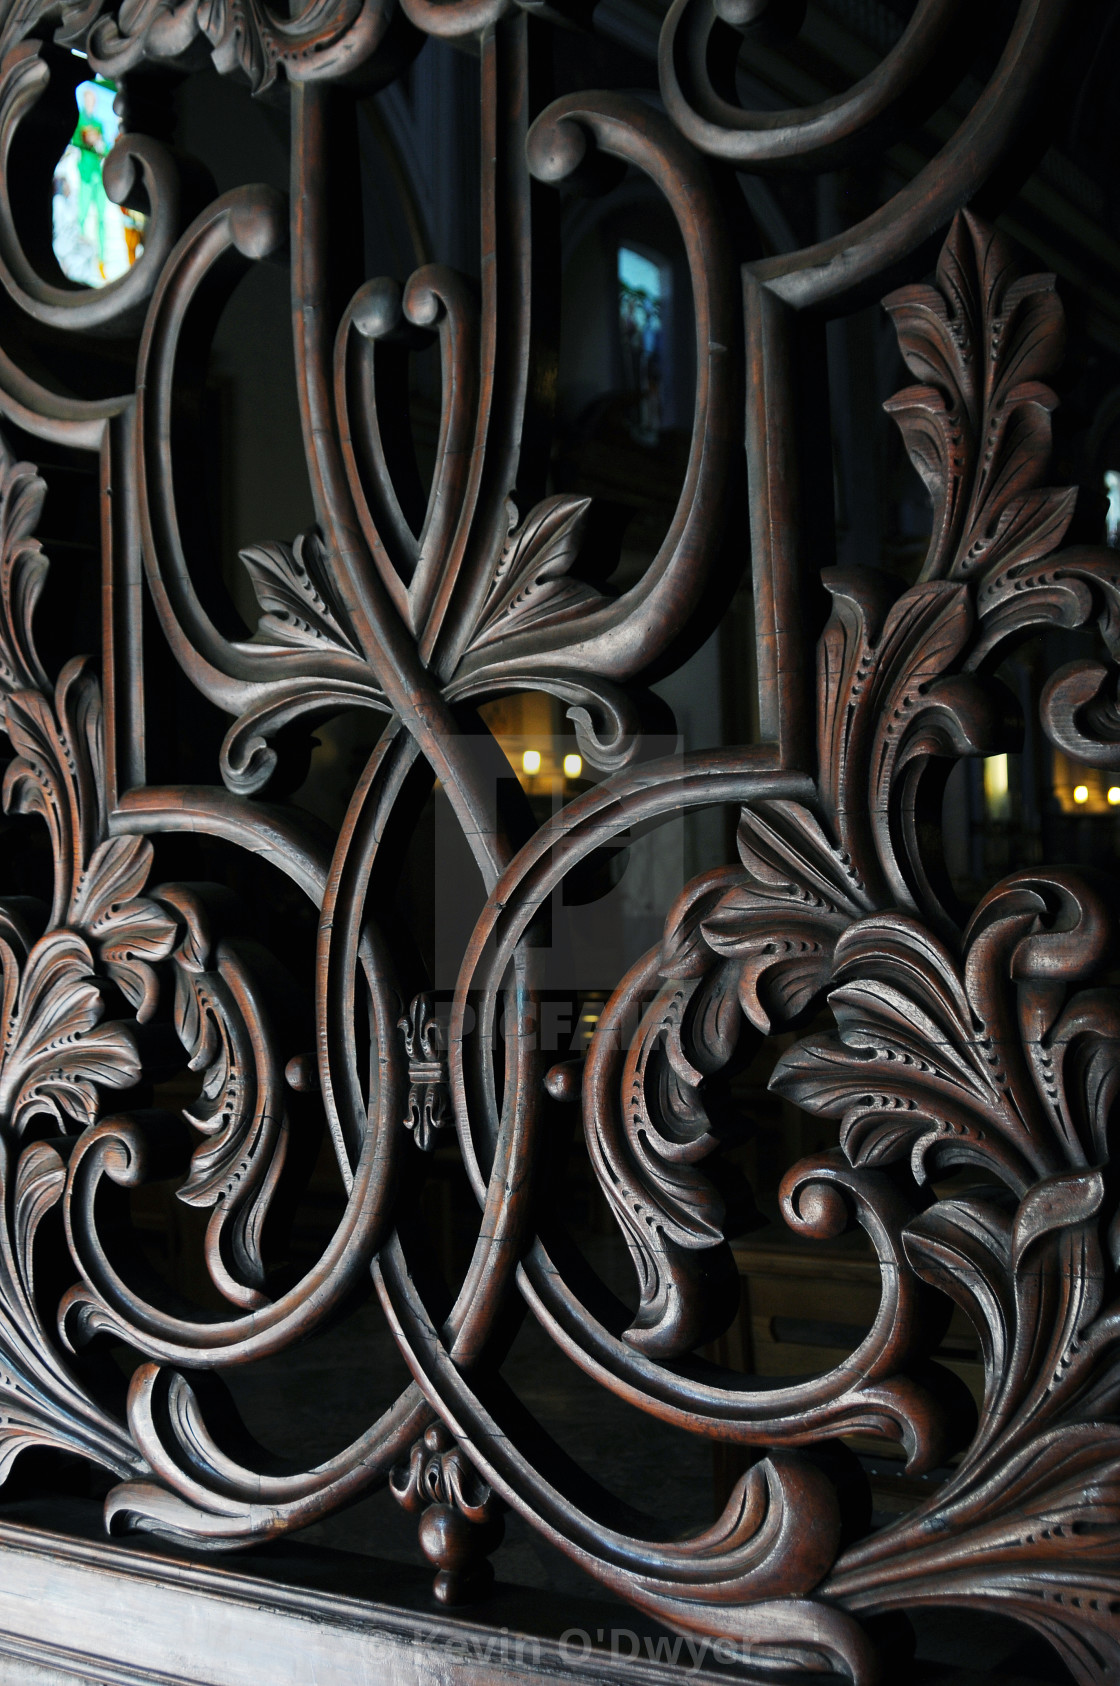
[(980, 1038)]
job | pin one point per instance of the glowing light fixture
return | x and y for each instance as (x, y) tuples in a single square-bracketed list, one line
[(1081, 793), (531, 761), (1113, 795), (573, 767), (997, 794)]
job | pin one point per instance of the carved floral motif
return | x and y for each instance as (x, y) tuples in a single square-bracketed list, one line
[(460, 1518), (975, 1041), (429, 1107)]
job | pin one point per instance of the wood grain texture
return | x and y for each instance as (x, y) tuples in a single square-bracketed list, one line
[(980, 1038)]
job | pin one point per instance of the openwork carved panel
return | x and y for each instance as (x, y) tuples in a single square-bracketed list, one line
[(964, 1059)]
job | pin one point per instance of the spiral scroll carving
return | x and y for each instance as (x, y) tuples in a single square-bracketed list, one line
[(929, 1037)]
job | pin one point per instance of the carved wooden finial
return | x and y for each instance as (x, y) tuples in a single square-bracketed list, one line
[(461, 1519)]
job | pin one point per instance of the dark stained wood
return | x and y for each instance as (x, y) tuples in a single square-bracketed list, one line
[(130, 1613), (979, 1038)]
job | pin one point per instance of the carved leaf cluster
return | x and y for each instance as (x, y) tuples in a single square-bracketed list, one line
[(243, 35), (42, 1401), (533, 587), (994, 1049), (23, 569), (439, 1473), (290, 586), (240, 1111), (948, 1061), (1033, 1509), (59, 1052), (131, 932), (775, 923), (891, 698), (56, 1052), (977, 428)]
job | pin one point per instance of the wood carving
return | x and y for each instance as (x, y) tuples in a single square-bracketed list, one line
[(978, 1037), (460, 1520), (428, 1109)]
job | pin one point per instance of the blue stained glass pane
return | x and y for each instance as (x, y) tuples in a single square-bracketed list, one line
[(639, 274), (640, 304)]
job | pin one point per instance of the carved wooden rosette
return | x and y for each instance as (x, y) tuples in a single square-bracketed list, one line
[(961, 1037)]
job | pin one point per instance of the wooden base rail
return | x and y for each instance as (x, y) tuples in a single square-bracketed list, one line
[(100, 1613)]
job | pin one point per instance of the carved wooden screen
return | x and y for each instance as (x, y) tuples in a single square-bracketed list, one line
[(933, 1039)]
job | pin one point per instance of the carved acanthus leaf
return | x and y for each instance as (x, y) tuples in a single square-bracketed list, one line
[(1065, 590), (56, 1052), (1043, 1473), (23, 570), (131, 931), (290, 586), (755, 941), (58, 772), (978, 427), (42, 1400), (779, 918), (1041, 1543), (959, 1063), (1031, 1280), (902, 1070), (243, 35), (533, 587), (889, 699), (648, 1129), (221, 1021)]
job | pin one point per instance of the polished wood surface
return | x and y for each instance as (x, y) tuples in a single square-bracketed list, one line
[(981, 1038)]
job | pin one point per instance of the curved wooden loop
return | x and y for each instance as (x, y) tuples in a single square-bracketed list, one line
[(204, 1492), (135, 162), (241, 227), (811, 137), (450, 20), (617, 639), (840, 270), (367, 1157), (717, 1581), (410, 553)]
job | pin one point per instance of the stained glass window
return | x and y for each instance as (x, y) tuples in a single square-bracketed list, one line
[(1112, 518), (94, 240), (641, 312)]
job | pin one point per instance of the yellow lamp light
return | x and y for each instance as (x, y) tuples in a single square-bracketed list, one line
[(997, 791), (573, 767), (1081, 793), (531, 761), (1113, 795)]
